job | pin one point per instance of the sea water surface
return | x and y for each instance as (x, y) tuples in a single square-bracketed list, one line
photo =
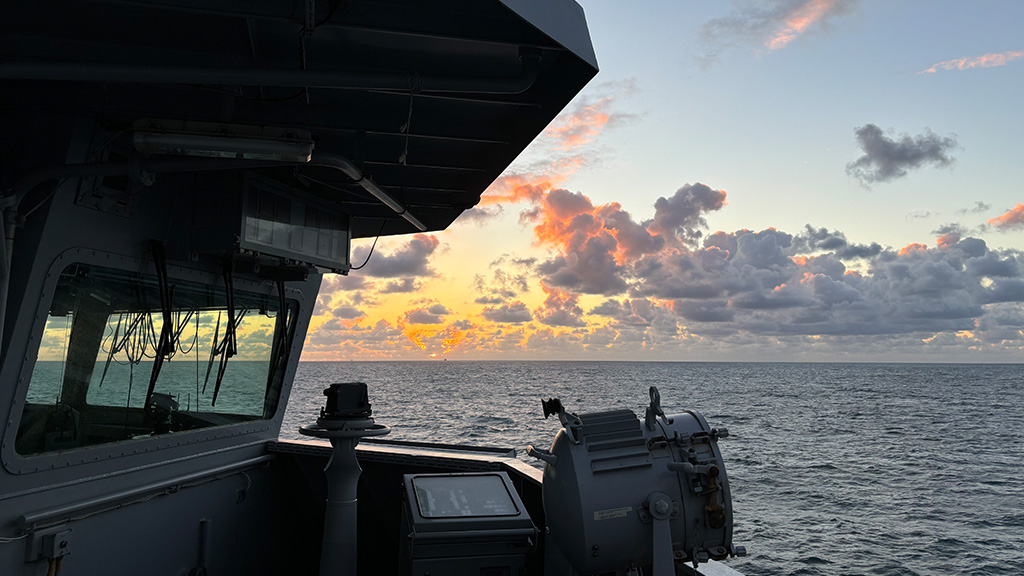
[(890, 469)]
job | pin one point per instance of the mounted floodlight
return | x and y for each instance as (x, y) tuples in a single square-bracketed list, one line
[(222, 141)]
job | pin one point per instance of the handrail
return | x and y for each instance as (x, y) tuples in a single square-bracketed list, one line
[(33, 520)]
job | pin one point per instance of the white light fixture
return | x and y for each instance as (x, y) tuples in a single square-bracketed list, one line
[(222, 141)]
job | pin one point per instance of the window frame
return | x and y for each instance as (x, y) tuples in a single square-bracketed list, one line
[(242, 431)]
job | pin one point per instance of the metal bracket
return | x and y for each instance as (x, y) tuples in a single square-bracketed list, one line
[(660, 507), (49, 544)]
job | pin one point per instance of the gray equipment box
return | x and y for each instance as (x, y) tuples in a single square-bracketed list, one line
[(464, 524)]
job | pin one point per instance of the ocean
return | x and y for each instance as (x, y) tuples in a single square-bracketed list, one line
[(889, 469)]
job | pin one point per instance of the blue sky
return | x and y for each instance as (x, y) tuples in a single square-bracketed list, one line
[(775, 128), (743, 180)]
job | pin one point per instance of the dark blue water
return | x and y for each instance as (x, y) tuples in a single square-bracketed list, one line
[(889, 469)]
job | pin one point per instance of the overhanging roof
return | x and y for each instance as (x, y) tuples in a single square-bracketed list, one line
[(433, 100)]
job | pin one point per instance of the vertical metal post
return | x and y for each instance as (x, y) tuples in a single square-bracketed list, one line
[(340, 542), (346, 418)]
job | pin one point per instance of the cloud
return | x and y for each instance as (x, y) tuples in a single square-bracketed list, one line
[(799, 19), (596, 242), (886, 159), (434, 314), (401, 286), (949, 235), (489, 300), (814, 240), (335, 340), (526, 185), (347, 312), (978, 208), (510, 278), (560, 309), (1012, 219), (587, 116), (480, 214), (561, 151), (683, 285), (763, 292), (984, 61), (681, 217), (509, 313), (410, 259), (336, 282), (772, 25)]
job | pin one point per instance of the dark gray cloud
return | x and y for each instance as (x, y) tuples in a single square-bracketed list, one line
[(589, 267), (767, 283), (748, 284), (561, 309), (813, 240), (434, 314), (704, 310), (887, 158), (347, 312), (634, 239), (510, 313), (489, 300), (336, 282), (400, 286), (410, 259), (681, 217), (636, 312), (951, 228)]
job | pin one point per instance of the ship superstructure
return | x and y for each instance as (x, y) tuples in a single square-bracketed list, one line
[(175, 178)]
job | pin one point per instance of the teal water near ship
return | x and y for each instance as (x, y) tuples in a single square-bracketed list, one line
[(890, 469)]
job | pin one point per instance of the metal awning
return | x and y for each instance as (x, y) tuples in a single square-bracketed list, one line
[(432, 100)]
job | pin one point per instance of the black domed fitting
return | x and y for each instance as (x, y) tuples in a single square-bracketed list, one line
[(346, 401)]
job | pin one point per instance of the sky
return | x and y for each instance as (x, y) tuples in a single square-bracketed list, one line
[(791, 180)]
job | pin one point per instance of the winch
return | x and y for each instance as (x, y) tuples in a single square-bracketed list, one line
[(624, 495)]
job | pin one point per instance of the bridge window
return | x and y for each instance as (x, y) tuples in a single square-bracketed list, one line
[(108, 371)]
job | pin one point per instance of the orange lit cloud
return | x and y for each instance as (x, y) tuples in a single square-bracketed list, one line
[(451, 338), (581, 126), (911, 248), (532, 184), (1012, 218), (557, 154), (798, 20), (416, 335), (948, 240), (514, 188), (985, 61), (436, 342)]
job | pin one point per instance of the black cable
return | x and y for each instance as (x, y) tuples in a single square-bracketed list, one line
[(280, 345), (165, 346), (334, 7), (379, 232)]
